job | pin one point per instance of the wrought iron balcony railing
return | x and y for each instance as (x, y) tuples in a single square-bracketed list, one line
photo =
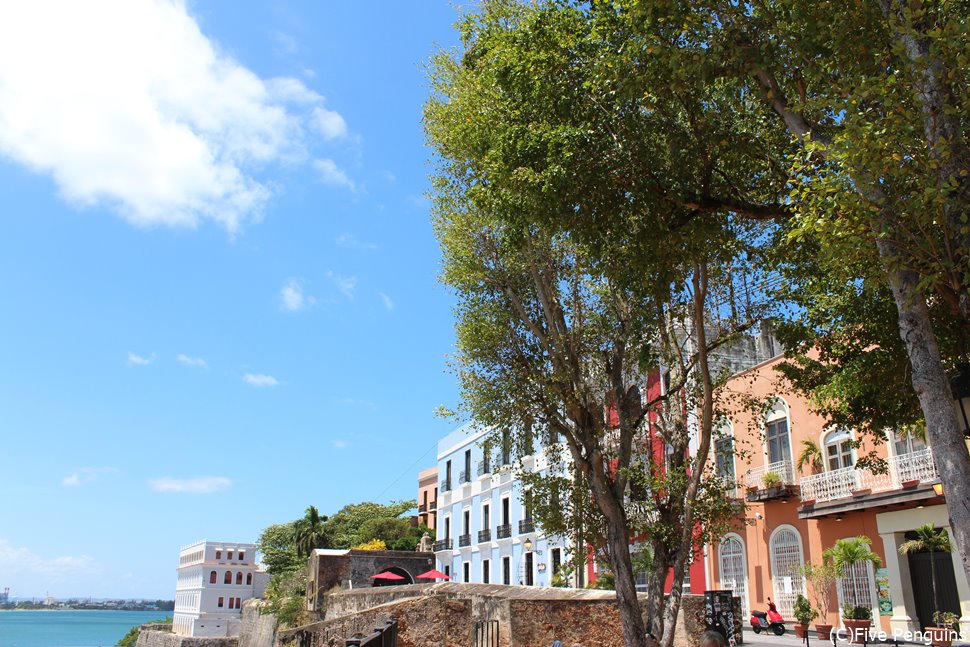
[(504, 531), (464, 540), (442, 544), (526, 525), (907, 470), (484, 535)]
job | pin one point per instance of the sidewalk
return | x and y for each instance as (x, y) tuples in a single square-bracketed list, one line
[(767, 639)]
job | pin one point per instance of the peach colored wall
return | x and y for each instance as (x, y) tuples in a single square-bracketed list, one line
[(763, 381), (428, 491)]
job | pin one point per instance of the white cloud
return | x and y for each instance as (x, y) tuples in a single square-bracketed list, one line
[(16, 560), (340, 444), (191, 361), (86, 475), (127, 104), (139, 360), (198, 485), (293, 298), (351, 241), (388, 303), (330, 173), (329, 123), (259, 379), (345, 284)]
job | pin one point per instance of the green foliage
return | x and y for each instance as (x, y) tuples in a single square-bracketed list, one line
[(277, 547), (850, 612), (853, 550), (823, 577), (771, 479), (311, 532), (928, 538), (285, 597), (353, 523), (803, 611), (946, 619), (810, 455)]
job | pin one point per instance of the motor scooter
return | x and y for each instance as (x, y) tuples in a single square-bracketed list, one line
[(772, 620)]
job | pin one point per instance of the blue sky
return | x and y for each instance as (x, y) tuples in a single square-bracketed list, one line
[(218, 277)]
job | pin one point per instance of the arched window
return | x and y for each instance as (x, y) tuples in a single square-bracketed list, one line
[(734, 573), (786, 558), (228, 578), (212, 577), (239, 577), (838, 449), (777, 437), (249, 578)]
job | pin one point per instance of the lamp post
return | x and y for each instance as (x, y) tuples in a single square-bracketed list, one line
[(960, 387), (527, 544)]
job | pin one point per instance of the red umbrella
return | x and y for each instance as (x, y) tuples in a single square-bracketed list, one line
[(433, 575), (387, 575)]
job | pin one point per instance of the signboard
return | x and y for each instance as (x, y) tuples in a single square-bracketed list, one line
[(719, 613), (882, 587)]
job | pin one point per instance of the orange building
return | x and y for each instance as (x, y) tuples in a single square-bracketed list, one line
[(428, 497), (793, 515)]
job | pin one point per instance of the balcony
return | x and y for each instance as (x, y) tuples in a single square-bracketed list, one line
[(432, 506), (484, 468), (484, 535), (905, 472), (526, 526), (442, 544), (445, 486), (780, 483), (464, 540), (504, 531), (422, 508), (465, 476)]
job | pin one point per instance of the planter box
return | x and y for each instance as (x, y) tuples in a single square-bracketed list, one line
[(808, 501), (858, 630), (824, 631), (941, 636), (862, 491), (801, 631), (911, 483)]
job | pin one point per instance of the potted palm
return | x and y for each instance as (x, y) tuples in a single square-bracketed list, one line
[(804, 614), (771, 479), (822, 576), (933, 540), (845, 554), (810, 456)]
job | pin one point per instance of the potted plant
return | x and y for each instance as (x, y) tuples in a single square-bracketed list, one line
[(845, 554), (933, 540), (804, 614), (810, 456), (945, 630), (771, 479), (822, 576), (857, 620)]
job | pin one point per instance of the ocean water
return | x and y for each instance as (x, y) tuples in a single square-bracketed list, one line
[(70, 628)]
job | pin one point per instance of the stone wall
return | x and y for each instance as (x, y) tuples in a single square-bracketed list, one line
[(152, 638), (426, 621), (355, 568), (257, 629)]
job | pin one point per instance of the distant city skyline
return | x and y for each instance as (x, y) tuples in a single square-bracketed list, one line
[(218, 276)]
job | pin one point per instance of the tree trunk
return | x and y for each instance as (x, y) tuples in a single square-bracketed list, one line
[(933, 390), (618, 544)]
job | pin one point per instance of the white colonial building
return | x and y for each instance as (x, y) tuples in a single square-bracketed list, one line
[(214, 579)]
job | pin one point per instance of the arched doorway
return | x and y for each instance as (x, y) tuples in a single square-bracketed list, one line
[(734, 573), (786, 558), (406, 577)]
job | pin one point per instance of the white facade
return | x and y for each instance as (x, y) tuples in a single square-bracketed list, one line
[(214, 579), (485, 532)]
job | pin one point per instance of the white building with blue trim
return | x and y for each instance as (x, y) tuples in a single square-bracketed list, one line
[(485, 530)]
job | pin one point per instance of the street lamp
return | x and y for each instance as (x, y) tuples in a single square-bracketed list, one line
[(527, 544), (960, 386)]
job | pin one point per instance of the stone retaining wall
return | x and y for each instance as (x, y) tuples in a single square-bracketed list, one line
[(152, 638), (257, 629)]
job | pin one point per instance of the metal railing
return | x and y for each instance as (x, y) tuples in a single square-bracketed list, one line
[(504, 531), (464, 540), (486, 633), (526, 525), (484, 535), (433, 505), (383, 636), (484, 468), (782, 469), (445, 486), (915, 467), (442, 544), (464, 476), (422, 508)]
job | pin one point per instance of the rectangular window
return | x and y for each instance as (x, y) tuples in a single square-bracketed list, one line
[(779, 449), (239, 603), (556, 560), (447, 527), (219, 604), (448, 570), (229, 555), (232, 603), (466, 522), (724, 458), (528, 505), (466, 571), (486, 522), (506, 448), (447, 475), (528, 569), (242, 555), (468, 465), (505, 512), (506, 570), (218, 554), (486, 568)]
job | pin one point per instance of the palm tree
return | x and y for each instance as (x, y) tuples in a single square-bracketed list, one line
[(811, 455), (932, 540), (310, 532), (846, 553)]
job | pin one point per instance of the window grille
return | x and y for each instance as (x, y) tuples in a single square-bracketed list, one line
[(734, 576), (786, 557)]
